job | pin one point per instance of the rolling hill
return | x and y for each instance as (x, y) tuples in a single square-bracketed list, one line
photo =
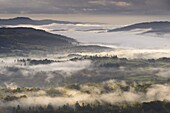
[(29, 21), (27, 39), (161, 27), (22, 41)]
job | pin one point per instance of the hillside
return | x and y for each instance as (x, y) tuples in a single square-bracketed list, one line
[(161, 27), (27, 39), (29, 21)]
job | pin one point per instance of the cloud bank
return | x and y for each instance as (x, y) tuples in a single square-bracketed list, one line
[(85, 6), (90, 93)]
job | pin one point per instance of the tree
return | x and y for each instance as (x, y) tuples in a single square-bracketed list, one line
[(50, 107), (77, 106)]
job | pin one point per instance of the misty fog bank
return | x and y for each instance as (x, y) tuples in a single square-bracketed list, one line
[(110, 92)]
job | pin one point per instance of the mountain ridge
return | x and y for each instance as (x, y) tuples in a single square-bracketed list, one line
[(158, 27), (29, 21), (26, 39)]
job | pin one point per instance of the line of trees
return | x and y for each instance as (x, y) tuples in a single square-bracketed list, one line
[(151, 107)]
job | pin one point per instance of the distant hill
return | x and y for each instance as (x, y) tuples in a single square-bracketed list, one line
[(29, 21), (161, 27), (27, 39), (22, 41)]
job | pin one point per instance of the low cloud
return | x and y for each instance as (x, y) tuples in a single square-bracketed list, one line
[(11, 70), (95, 93)]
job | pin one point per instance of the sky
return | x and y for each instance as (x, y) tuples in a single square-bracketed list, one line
[(82, 9)]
